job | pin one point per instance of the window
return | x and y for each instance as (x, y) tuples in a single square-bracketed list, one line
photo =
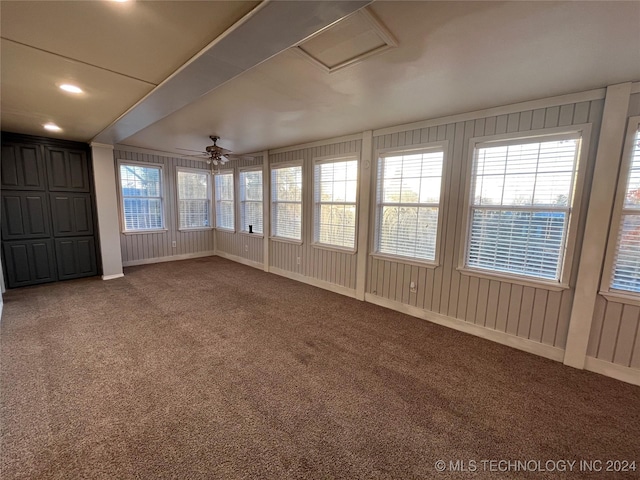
[(251, 201), (141, 194), (626, 264), (335, 188), (194, 200), (224, 200), (520, 205), (408, 202), (286, 202)]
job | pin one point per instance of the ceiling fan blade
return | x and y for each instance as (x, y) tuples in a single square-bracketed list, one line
[(233, 156), (189, 150)]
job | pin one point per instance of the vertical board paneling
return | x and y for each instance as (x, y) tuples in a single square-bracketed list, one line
[(243, 245), (538, 314), (626, 335), (615, 332), (614, 335), (147, 246), (332, 266), (610, 327)]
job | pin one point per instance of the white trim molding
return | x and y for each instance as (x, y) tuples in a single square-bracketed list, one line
[(587, 96), (244, 261), (613, 370), (112, 277), (319, 143), (170, 258), (332, 287), (101, 145), (524, 344), (601, 202)]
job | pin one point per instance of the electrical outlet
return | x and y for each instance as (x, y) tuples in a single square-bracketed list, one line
[(174, 244), (246, 248), (413, 288), (298, 261)]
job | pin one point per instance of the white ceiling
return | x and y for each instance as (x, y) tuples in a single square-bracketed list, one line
[(116, 52), (452, 57)]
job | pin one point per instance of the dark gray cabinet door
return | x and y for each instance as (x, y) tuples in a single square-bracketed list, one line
[(76, 257), (71, 214), (46, 211), (67, 170), (29, 262), (24, 215), (22, 167)]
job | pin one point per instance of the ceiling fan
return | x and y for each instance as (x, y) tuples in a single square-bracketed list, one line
[(214, 154)]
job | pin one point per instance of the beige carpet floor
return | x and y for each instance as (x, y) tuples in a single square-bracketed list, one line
[(210, 369)]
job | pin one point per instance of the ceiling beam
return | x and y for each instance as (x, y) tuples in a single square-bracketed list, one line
[(264, 32)]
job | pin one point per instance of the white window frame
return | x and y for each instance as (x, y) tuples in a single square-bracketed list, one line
[(123, 223), (209, 196), (583, 132), (606, 288), (375, 240), (317, 204), (272, 203), (242, 201), (228, 171)]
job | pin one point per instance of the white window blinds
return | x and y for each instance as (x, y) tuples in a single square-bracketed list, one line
[(194, 202), (251, 201), (626, 269), (408, 203), (141, 190), (521, 200), (224, 200), (286, 202), (335, 189)]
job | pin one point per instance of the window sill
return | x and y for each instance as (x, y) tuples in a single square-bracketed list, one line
[(226, 230), (517, 280), (197, 229), (286, 240), (144, 232), (622, 297), (405, 260), (324, 246), (256, 235)]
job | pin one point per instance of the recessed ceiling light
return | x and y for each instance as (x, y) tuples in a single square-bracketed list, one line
[(52, 127), (67, 87)]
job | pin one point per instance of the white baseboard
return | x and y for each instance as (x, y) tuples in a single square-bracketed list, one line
[(547, 351), (112, 277), (171, 258), (244, 261), (1, 305), (619, 372), (332, 287)]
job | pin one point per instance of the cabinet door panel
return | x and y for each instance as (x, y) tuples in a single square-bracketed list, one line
[(78, 171), (22, 167), (71, 214), (67, 170), (76, 257), (24, 215), (29, 262)]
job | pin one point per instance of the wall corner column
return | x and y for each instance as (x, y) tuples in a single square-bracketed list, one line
[(364, 196), (104, 176), (266, 208), (601, 200)]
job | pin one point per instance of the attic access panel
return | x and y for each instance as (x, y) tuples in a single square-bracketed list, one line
[(349, 41)]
